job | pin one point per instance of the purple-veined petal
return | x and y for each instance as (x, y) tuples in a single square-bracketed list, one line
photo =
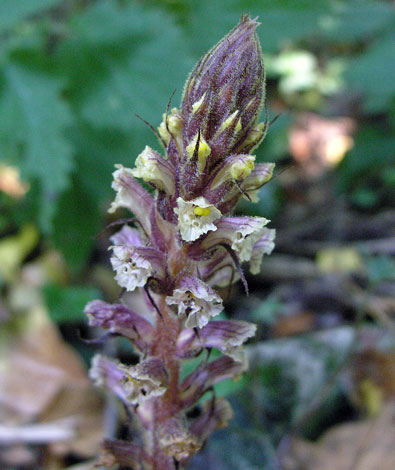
[(196, 301), (152, 168), (125, 454), (227, 336), (118, 318), (132, 196), (264, 246), (176, 440), (216, 414), (207, 375)]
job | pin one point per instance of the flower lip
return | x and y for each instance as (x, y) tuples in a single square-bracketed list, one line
[(131, 196), (241, 233), (145, 380), (196, 217), (227, 336), (196, 301), (132, 269)]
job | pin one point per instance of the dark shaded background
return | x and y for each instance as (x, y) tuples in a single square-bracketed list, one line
[(73, 75)]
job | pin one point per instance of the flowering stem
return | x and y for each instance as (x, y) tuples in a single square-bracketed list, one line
[(167, 405), (187, 243)]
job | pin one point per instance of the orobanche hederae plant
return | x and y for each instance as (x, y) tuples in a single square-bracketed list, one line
[(184, 244)]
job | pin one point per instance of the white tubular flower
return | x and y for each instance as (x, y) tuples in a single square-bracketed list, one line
[(132, 196), (195, 217), (144, 381), (264, 246), (245, 236), (132, 270), (195, 300), (153, 168)]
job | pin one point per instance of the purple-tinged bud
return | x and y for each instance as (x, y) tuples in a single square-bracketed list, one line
[(225, 92), (127, 236), (216, 414), (176, 440), (117, 318), (227, 336)]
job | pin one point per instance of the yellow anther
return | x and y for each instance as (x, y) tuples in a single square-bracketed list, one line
[(197, 104), (133, 380), (202, 211)]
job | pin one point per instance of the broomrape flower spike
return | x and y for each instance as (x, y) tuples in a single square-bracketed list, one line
[(184, 243)]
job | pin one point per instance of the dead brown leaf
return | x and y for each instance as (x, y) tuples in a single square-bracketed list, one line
[(366, 445), (43, 380)]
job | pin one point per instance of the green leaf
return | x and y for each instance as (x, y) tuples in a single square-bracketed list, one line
[(373, 74), (124, 60), (14, 11), (371, 154), (76, 223), (35, 118), (281, 21), (355, 20), (66, 304)]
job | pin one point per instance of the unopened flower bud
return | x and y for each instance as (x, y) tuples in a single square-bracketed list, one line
[(225, 91), (235, 167), (173, 128), (201, 149), (253, 138)]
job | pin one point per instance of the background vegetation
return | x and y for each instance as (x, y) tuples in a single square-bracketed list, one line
[(73, 75)]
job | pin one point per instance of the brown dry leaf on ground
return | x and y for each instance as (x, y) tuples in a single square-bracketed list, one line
[(42, 380), (366, 445)]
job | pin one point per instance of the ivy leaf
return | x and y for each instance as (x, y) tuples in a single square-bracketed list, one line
[(36, 128)]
